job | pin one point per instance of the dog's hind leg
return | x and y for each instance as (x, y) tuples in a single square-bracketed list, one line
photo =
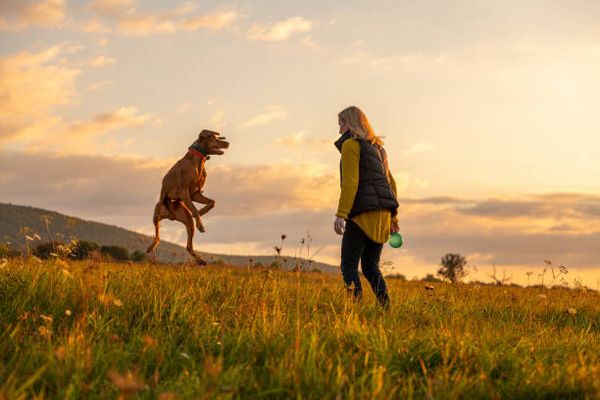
[(200, 198), (183, 215), (160, 212), (186, 199)]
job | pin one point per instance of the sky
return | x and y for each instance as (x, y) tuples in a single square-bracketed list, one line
[(488, 109)]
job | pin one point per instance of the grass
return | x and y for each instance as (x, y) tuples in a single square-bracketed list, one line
[(95, 330)]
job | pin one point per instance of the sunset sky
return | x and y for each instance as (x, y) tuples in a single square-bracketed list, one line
[(490, 112)]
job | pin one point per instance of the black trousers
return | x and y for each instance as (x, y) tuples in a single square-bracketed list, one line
[(356, 246)]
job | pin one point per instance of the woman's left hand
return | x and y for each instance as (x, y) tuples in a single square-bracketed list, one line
[(338, 225), (394, 227)]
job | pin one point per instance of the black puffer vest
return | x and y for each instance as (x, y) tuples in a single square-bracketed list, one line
[(374, 191)]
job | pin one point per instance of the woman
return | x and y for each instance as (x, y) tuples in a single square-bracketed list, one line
[(367, 210)]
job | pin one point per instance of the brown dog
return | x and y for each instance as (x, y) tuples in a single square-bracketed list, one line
[(182, 186)]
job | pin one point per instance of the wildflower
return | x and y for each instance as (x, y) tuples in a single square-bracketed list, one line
[(184, 355), (167, 396), (149, 341), (128, 383), (66, 273), (68, 312), (572, 310), (3, 262), (60, 353), (563, 269), (542, 296), (47, 318), (283, 236), (215, 324), (277, 250), (44, 332), (118, 302)]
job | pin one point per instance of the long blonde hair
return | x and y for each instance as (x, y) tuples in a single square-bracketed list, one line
[(359, 125)]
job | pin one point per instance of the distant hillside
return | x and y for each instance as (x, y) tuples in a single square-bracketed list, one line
[(14, 218)]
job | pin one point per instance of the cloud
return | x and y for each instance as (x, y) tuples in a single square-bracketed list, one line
[(130, 20), (213, 21), (32, 86), (42, 13), (102, 42), (382, 63), (272, 113), (93, 26), (300, 140), (121, 118), (98, 186), (280, 31), (418, 148), (99, 85), (217, 121), (102, 61), (258, 203)]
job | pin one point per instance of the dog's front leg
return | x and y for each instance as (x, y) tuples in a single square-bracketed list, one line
[(198, 197)]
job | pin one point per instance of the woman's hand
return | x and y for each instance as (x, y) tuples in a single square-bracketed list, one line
[(338, 225), (394, 227)]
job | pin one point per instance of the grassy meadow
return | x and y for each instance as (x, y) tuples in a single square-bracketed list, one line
[(100, 330)]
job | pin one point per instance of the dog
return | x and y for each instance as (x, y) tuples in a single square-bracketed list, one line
[(182, 186)]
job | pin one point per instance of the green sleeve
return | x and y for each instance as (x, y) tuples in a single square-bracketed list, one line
[(350, 168)]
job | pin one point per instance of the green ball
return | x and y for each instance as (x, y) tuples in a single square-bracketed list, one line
[(396, 240)]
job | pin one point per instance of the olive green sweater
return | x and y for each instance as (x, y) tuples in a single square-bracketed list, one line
[(375, 224)]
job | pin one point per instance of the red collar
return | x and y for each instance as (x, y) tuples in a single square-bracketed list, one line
[(196, 153)]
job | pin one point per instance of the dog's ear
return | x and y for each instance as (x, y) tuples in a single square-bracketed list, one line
[(205, 134)]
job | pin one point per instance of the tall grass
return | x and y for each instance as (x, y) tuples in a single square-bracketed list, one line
[(95, 330)]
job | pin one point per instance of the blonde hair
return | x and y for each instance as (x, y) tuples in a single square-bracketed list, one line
[(359, 125)]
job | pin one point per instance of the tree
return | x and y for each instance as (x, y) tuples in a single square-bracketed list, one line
[(82, 249), (117, 253), (453, 267)]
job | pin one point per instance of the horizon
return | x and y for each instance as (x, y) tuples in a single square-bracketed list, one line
[(488, 112)]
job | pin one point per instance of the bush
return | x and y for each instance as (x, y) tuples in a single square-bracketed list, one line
[(49, 250), (82, 249), (138, 256), (430, 278), (117, 253), (7, 252), (396, 276)]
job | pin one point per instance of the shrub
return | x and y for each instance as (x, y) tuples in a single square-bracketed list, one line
[(396, 276), (7, 252), (117, 253), (138, 256), (430, 278), (50, 250), (81, 249)]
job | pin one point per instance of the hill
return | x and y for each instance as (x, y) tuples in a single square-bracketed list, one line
[(15, 220)]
